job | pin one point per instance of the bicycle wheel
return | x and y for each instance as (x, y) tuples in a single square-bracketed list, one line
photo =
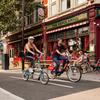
[(86, 68), (74, 74), (44, 78), (26, 75)]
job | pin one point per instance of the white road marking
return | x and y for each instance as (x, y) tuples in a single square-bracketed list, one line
[(60, 85), (60, 80), (5, 95)]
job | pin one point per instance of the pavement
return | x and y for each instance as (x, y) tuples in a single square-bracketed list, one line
[(5, 95), (93, 94), (12, 89)]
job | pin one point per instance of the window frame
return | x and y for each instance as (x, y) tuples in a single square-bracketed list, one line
[(66, 1), (52, 4)]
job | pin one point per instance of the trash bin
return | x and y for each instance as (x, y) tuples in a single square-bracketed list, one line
[(5, 62)]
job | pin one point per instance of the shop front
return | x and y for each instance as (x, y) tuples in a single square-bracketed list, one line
[(73, 29), (80, 27)]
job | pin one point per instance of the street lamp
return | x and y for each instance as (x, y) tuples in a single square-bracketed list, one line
[(23, 11)]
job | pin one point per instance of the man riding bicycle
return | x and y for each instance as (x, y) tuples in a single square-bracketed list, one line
[(29, 51), (58, 55)]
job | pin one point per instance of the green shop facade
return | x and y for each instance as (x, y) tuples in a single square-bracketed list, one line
[(82, 26)]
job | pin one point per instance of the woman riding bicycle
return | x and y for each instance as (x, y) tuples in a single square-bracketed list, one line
[(29, 51), (58, 55)]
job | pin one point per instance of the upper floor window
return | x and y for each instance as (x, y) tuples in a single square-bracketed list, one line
[(81, 1), (53, 7), (65, 4), (53, 0)]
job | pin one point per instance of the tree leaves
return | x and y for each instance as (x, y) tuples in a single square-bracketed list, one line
[(11, 12), (7, 15)]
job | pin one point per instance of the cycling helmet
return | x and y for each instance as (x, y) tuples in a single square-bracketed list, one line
[(30, 38)]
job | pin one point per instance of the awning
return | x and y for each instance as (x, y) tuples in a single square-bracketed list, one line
[(67, 27), (55, 30)]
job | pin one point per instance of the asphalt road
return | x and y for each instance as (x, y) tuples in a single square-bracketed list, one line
[(34, 90)]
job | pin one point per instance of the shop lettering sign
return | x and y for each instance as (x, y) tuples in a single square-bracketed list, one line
[(68, 21)]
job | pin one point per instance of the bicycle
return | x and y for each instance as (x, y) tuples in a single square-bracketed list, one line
[(73, 72), (43, 76), (85, 64), (86, 67), (96, 66)]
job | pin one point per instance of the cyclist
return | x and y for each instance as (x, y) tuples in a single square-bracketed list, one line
[(29, 51), (80, 59), (59, 48)]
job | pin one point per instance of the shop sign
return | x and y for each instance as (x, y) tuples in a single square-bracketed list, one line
[(68, 21), (98, 12)]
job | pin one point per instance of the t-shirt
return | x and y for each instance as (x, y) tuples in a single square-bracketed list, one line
[(61, 49)]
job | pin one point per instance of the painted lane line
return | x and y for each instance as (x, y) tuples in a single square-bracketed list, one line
[(60, 80), (60, 85), (55, 84), (6, 95)]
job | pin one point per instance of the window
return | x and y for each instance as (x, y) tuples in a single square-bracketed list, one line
[(65, 4), (81, 1), (68, 3), (53, 9), (53, 0)]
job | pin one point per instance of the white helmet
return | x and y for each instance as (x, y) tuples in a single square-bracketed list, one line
[(31, 37)]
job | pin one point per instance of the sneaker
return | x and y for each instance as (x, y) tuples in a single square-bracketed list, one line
[(31, 70)]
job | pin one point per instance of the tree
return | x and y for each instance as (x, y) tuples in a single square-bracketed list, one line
[(8, 18), (10, 13)]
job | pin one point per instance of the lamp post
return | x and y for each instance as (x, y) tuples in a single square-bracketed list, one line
[(41, 18), (23, 11)]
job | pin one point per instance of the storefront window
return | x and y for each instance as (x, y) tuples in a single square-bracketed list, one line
[(55, 36), (80, 30), (83, 31), (70, 33)]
